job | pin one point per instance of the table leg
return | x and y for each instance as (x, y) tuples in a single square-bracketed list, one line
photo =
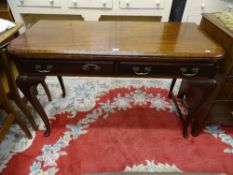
[(197, 128), (62, 85), (185, 122), (28, 86), (199, 94), (172, 87), (45, 86), (200, 116)]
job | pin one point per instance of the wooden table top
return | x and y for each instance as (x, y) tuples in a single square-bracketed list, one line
[(8, 33), (132, 41)]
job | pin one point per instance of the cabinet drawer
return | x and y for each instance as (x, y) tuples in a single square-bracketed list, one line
[(225, 5), (145, 4), (38, 3), (67, 67), (221, 113), (204, 6), (150, 69), (103, 4)]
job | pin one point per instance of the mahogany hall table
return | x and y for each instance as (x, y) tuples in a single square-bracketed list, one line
[(113, 49)]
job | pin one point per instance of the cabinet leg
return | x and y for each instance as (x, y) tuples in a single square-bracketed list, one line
[(23, 126), (24, 109), (10, 110), (9, 67), (28, 87)]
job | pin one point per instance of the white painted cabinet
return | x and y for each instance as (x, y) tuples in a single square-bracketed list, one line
[(225, 5), (38, 3), (202, 5), (91, 10), (145, 4), (194, 8), (94, 4)]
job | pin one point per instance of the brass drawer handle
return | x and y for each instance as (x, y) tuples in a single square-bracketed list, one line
[(136, 70), (192, 73), (47, 69), (90, 66)]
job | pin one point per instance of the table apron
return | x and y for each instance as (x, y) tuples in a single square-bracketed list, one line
[(117, 68)]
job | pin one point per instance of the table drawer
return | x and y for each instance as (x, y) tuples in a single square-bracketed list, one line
[(145, 4), (103, 4), (150, 69), (91, 68), (38, 3)]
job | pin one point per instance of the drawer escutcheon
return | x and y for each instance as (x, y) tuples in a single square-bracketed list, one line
[(146, 71), (91, 67), (46, 69), (185, 72)]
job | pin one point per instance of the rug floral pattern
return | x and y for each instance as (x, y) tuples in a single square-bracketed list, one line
[(83, 96), (51, 153)]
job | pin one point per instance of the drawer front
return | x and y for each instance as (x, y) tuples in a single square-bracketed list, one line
[(38, 3), (147, 69), (225, 5), (102, 4), (204, 6), (145, 4), (67, 67)]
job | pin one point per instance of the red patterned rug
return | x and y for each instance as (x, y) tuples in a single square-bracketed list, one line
[(125, 129)]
